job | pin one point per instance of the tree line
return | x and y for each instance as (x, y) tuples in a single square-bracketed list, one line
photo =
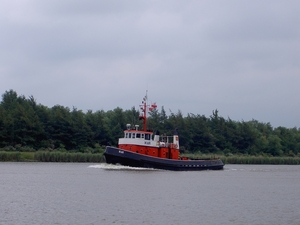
[(25, 123)]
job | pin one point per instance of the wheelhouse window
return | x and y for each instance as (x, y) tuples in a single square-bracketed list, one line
[(147, 136), (133, 135), (126, 135), (138, 135)]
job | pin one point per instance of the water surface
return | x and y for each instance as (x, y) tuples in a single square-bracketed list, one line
[(81, 193)]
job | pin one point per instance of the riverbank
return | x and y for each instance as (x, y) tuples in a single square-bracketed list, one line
[(266, 160), (250, 159), (47, 156), (57, 156)]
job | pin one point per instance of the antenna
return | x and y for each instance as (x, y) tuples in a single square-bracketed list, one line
[(144, 111)]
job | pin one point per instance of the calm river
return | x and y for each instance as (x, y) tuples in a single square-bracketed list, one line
[(74, 193)]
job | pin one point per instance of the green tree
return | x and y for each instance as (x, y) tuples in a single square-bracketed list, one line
[(20, 123), (99, 128), (80, 132), (157, 120), (274, 147), (60, 127)]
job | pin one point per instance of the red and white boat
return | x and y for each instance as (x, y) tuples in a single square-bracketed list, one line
[(142, 148)]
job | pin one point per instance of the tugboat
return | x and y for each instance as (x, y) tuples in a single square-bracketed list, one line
[(143, 148)]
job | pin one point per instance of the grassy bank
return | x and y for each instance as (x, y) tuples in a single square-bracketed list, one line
[(16, 156), (57, 156), (47, 156), (261, 160), (248, 159)]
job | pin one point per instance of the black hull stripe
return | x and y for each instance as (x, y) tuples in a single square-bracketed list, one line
[(115, 155)]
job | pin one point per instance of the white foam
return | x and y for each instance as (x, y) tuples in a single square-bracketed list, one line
[(117, 167)]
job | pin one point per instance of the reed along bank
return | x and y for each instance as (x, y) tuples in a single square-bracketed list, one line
[(57, 156)]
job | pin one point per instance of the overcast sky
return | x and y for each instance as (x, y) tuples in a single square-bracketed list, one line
[(240, 57)]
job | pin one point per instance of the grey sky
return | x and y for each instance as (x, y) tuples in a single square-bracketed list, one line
[(240, 57)]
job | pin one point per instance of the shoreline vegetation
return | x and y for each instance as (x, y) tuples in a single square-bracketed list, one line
[(97, 157), (249, 159), (33, 132)]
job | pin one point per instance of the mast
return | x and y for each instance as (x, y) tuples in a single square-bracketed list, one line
[(143, 115), (144, 110)]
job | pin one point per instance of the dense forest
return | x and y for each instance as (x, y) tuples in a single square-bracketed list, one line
[(24, 124)]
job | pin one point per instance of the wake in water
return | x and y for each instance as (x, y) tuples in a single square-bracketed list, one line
[(119, 167)]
